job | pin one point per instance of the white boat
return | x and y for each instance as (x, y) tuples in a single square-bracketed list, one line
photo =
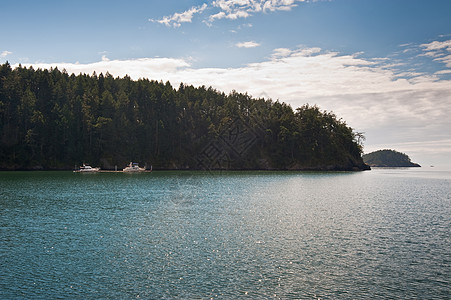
[(133, 167), (87, 168)]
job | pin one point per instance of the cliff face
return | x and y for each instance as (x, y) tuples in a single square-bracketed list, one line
[(388, 158)]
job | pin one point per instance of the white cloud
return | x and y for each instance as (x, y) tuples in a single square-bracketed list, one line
[(247, 45), (443, 72), (281, 52), (228, 9), (238, 14), (5, 53), (369, 94), (220, 15), (307, 51), (278, 5), (446, 60), (234, 9), (437, 45), (178, 18), (152, 68), (440, 51)]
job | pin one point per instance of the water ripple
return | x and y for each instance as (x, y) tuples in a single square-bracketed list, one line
[(177, 235)]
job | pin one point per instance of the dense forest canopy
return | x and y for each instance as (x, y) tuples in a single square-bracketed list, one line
[(388, 158), (52, 120)]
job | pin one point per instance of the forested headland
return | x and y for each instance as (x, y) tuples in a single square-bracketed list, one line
[(388, 158), (50, 119)]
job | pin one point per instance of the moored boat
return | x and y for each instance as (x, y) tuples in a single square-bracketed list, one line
[(133, 167), (87, 169)]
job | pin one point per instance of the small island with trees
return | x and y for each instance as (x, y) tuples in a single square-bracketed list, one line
[(52, 120), (388, 158)]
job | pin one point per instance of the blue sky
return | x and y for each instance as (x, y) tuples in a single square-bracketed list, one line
[(384, 66)]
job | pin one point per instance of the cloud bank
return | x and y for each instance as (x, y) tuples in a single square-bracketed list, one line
[(404, 112)]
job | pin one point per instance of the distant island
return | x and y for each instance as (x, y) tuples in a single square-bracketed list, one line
[(52, 120), (388, 158)]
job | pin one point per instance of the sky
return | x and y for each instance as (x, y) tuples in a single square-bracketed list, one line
[(383, 66)]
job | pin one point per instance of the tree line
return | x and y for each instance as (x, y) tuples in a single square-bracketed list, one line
[(50, 119)]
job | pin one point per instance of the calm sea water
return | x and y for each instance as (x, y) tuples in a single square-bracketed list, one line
[(382, 234)]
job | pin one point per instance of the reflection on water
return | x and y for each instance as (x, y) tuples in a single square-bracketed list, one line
[(378, 234)]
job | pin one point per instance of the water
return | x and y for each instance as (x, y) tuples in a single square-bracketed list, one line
[(179, 235)]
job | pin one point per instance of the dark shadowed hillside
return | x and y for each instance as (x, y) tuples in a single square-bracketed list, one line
[(52, 120)]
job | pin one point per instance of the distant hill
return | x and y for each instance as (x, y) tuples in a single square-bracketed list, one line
[(388, 158)]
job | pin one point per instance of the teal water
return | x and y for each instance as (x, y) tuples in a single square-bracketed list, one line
[(382, 234)]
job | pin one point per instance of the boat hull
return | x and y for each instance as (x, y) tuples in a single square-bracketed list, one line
[(133, 170)]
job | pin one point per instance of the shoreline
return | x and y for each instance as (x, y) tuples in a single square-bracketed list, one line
[(322, 169)]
